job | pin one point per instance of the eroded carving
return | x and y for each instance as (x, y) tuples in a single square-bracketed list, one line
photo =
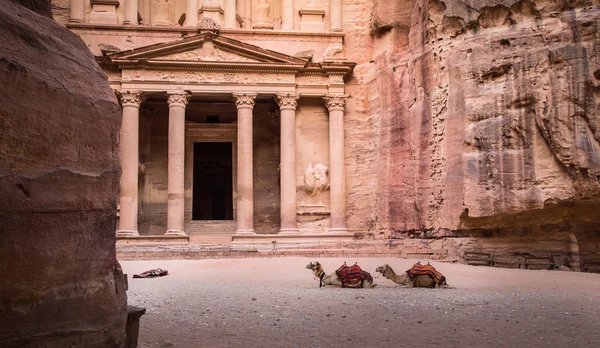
[(315, 179), (207, 23), (333, 52)]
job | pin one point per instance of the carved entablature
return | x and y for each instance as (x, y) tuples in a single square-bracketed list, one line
[(206, 77), (312, 80), (210, 59)]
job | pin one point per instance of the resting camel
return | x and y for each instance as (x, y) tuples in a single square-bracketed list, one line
[(422, 281), (331, 279)]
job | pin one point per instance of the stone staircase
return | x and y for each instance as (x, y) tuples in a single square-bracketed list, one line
[(215, 232)]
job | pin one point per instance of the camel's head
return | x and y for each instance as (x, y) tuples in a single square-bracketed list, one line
[(314, 266), (382, 269)]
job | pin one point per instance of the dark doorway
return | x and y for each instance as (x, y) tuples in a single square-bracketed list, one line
[(213, 185)]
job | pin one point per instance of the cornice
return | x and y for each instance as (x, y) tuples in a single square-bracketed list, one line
[(176, 29)]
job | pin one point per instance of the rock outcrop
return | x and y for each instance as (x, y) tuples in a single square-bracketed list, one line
[(486, 115), (61, 284)]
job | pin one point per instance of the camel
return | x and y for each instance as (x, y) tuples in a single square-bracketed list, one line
[(332, 279), (422, 281)]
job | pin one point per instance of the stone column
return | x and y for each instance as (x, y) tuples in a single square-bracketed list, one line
[(77, 11), (335, 15), (191, 13), (131, 12), (175, 209), (129, 152), (245, 189), (230, 12), (287, 20), (287, 105), (337, 180)]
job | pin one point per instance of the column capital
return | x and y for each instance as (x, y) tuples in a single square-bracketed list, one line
[(335, 102), (179, 99), (130, 98), (287, 101), (244, 100)]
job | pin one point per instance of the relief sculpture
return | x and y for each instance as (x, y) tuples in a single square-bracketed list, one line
[(315, 179)]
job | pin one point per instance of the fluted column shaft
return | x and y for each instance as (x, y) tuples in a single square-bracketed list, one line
[(335, 105), (288, 104), (230, 11), (77, 11), (287, 20), (175, 208), (131, 12), (191, 13), (245, 189), (129, 152), (335, 15)]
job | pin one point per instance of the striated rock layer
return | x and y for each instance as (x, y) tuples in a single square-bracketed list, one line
[(487, 124), (61, 285)]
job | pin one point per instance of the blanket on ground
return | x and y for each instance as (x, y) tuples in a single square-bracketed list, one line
[(418, 270), (352, 276), (157, 272)]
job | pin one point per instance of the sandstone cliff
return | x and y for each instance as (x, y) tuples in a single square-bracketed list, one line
[(486, 122), (61, 285)]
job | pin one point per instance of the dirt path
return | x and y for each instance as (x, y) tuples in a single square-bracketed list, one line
[(275, 302)]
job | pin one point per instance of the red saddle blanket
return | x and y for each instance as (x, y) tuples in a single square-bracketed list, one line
[(157, 272), (352, 276), (418, 270)]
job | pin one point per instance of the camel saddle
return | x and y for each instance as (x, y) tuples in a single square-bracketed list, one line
[(418, 270), (352, 276)]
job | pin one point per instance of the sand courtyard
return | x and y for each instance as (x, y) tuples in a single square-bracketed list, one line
[(276, 302)]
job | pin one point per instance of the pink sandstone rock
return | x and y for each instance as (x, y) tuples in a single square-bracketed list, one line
[(486, 123), (61, 285)]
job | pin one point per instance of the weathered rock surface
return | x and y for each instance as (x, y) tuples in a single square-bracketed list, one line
[(486, 115), (61, 285)]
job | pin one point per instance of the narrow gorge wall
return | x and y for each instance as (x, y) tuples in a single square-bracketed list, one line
[(61, 285), (486, 122)]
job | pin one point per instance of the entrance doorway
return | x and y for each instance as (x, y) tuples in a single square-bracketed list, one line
[(213, 182)]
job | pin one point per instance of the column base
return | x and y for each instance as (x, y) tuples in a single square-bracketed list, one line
[(175, 233), (128, 233), (339, 230), (336, 30), (244, 232), (289, 231), (76, 20)]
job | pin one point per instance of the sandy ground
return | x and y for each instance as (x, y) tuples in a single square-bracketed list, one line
[(275, 302)]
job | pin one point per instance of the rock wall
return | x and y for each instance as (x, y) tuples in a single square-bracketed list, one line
[(486, 115), (61, 285)]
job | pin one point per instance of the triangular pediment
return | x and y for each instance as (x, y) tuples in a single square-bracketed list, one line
[(205, 48)]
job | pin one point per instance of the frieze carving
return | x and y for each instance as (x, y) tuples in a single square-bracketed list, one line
[(129, 98), (244, 100), (206, 77), (178, 99), (315, 179), (287, 101), (311, 80), (207, 53), (335, 102)]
